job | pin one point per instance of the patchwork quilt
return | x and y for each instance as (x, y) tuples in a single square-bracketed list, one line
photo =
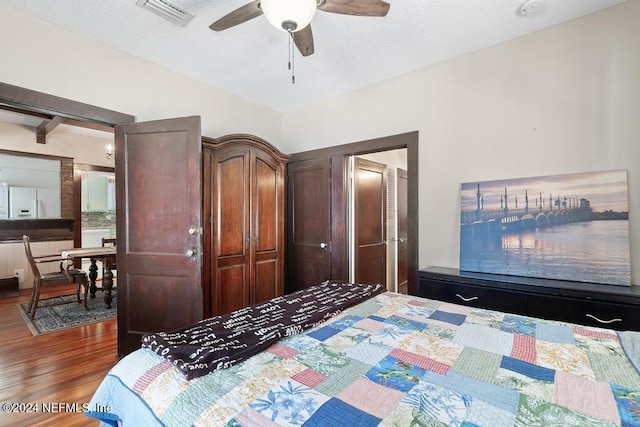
[(396, 360)]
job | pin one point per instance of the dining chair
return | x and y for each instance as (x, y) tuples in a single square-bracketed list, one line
[(108, 262), (68, 275)]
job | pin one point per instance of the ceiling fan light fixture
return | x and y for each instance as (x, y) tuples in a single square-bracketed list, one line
[(289, 15)]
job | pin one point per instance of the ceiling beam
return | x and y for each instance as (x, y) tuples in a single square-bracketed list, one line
[(88, 125), (27, 99), (45, 127), (25, 112), (71, 122)]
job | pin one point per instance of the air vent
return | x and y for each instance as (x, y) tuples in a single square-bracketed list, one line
[(167, 10)]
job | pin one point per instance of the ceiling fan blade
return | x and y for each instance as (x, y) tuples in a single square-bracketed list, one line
[(238, 16), (356, 7), (304, 41)]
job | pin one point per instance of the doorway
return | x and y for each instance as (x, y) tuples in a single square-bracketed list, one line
[(378, 219), (97, 207), (321, 222)]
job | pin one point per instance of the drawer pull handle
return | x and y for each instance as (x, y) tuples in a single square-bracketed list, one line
[(469, 299), (603, 321)]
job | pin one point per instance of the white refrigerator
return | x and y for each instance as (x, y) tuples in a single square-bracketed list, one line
[(28, 202)]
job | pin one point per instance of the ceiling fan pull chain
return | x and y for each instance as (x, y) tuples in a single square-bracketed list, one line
[(289, 52), (291, 58), (293, 66)]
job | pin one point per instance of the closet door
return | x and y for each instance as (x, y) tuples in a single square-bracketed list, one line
[(403, 235), (231, 237), (309, 223), (370, 206), (267, 232)]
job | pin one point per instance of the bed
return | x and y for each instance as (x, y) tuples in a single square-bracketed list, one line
[(378, 359)]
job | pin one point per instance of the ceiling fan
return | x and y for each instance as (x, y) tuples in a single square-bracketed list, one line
[(294, 16)]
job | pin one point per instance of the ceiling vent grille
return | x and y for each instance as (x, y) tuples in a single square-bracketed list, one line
[(167, 10)]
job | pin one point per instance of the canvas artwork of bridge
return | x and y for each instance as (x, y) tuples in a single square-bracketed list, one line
[(570, 227)]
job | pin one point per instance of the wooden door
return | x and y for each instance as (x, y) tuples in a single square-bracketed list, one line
[(231, 234), (309, 202), (401, 204), (159, 198), (267, 228), (370, 188)]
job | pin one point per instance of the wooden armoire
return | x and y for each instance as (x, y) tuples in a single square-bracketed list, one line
[(243, 222)]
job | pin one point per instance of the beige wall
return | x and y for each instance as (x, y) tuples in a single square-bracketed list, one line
[(562, 100), (47, 58), (391, 158), (90, 148), (12, 256)]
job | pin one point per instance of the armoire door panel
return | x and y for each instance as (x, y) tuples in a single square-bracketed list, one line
[(267, 280), (232, 294), (266, 206), (231, 261), (232, 203)]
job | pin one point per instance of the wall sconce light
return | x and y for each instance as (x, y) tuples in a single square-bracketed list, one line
[(110, 152)]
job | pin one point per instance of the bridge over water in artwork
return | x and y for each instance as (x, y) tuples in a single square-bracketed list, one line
[(557, 211)]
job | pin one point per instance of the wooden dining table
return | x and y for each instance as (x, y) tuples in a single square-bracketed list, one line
[(106, 255)]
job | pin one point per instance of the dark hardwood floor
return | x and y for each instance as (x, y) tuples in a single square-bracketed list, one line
[(60, 368)]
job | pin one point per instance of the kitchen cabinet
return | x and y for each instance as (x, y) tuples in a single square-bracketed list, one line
[(243, 222), (96, 195)]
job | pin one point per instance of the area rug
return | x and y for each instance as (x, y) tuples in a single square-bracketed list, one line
[(65, 312)]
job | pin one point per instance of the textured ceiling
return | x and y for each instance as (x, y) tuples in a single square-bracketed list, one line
[(250, 60)]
